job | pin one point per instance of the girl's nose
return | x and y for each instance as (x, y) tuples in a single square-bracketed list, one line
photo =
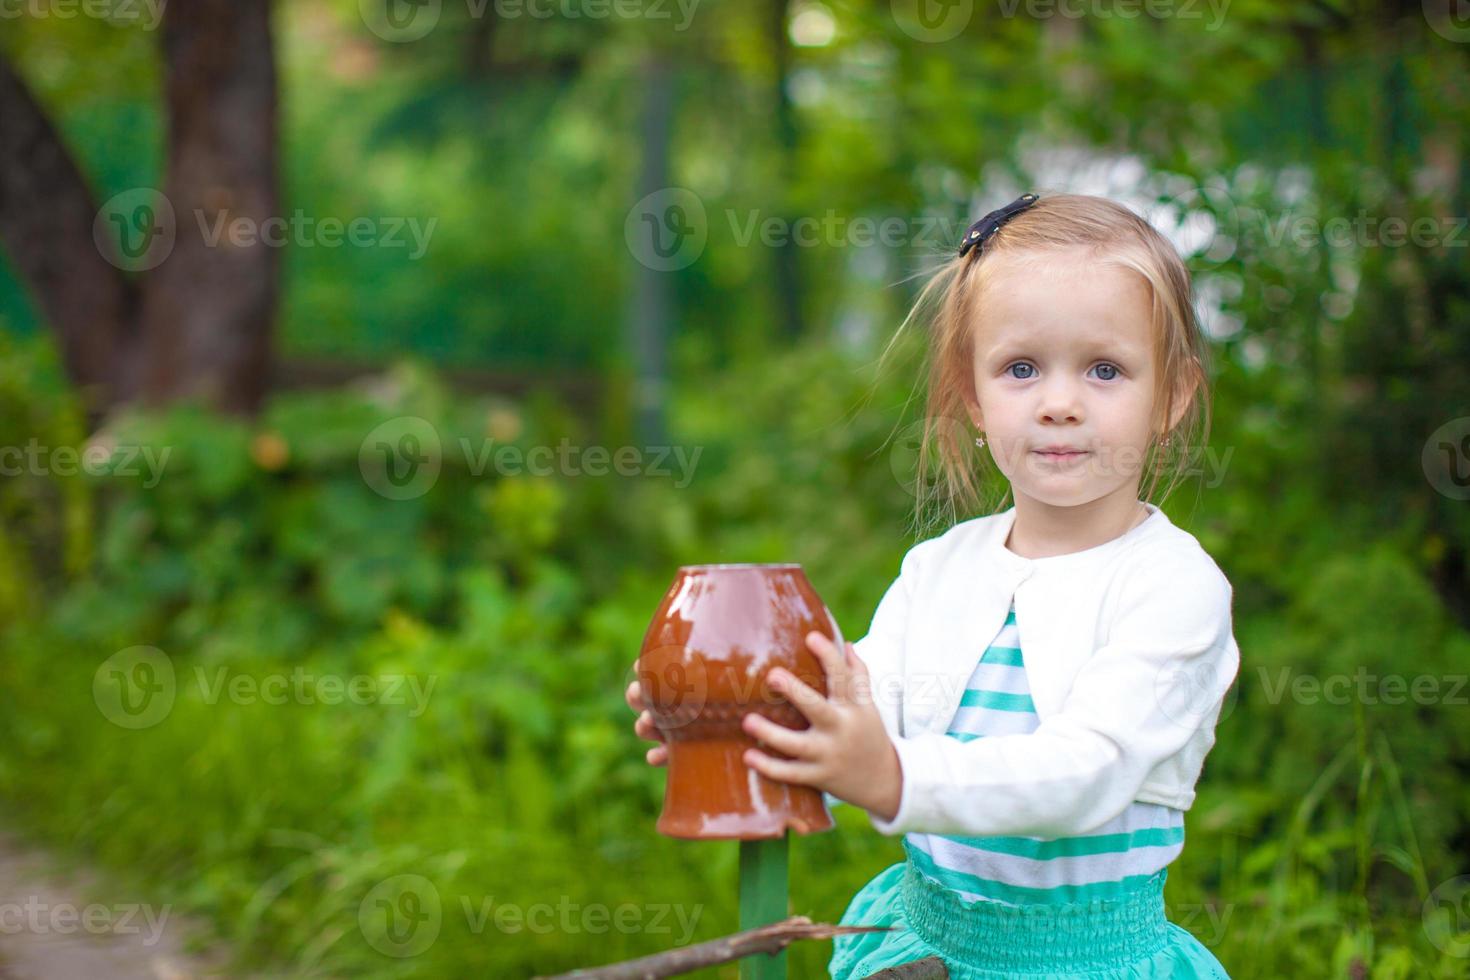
[(1060, 404)]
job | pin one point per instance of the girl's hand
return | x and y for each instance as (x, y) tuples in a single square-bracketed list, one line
[(643, 726), (846, 751)]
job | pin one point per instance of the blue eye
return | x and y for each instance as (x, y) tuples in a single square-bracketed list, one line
[(1108, 367), (1020, 364)]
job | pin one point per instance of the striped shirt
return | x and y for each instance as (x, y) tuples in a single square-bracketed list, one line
[(1022, 870)]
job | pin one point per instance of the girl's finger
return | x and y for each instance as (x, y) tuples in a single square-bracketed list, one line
[(634, 696), (658, 755), (810, 702), (858, 676), (827, 654), (644, 727), (836, 666), (781, 770), (785, 740)]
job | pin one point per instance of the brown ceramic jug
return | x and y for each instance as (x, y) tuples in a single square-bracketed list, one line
[(703, 665)]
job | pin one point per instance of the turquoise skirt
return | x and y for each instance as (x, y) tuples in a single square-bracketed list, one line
[(1123, 938)]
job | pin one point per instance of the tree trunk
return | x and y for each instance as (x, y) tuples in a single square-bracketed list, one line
[(46, 222), (197, 318), (152, 297), (650, 312), (785, 257), (209, 308)]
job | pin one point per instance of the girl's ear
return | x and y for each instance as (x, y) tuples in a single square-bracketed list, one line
[(972, 407), (1183, 393)]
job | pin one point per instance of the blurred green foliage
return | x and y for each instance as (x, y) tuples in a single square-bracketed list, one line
[(1323, 826), (1320, 827)]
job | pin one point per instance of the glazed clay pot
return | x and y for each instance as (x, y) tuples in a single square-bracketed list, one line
[(703, 665)]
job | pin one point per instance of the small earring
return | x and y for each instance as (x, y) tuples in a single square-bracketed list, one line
[(979, 441)]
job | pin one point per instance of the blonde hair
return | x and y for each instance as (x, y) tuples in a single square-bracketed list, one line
[(1116, 236)]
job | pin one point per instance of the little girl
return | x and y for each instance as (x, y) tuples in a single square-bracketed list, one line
[(1033, 702)]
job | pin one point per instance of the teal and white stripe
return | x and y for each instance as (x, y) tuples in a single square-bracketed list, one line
[(1022, 870)]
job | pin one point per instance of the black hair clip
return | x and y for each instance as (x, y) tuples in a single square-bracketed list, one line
[(979, 233)]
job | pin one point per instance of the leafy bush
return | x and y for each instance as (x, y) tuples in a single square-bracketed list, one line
[(516, 603)]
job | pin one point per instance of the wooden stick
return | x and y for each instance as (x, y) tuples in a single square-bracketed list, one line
[(767, 939)]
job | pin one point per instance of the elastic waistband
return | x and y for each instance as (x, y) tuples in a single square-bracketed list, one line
[(1097, 935)]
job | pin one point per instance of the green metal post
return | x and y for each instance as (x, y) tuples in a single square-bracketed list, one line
[(763, 899)]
